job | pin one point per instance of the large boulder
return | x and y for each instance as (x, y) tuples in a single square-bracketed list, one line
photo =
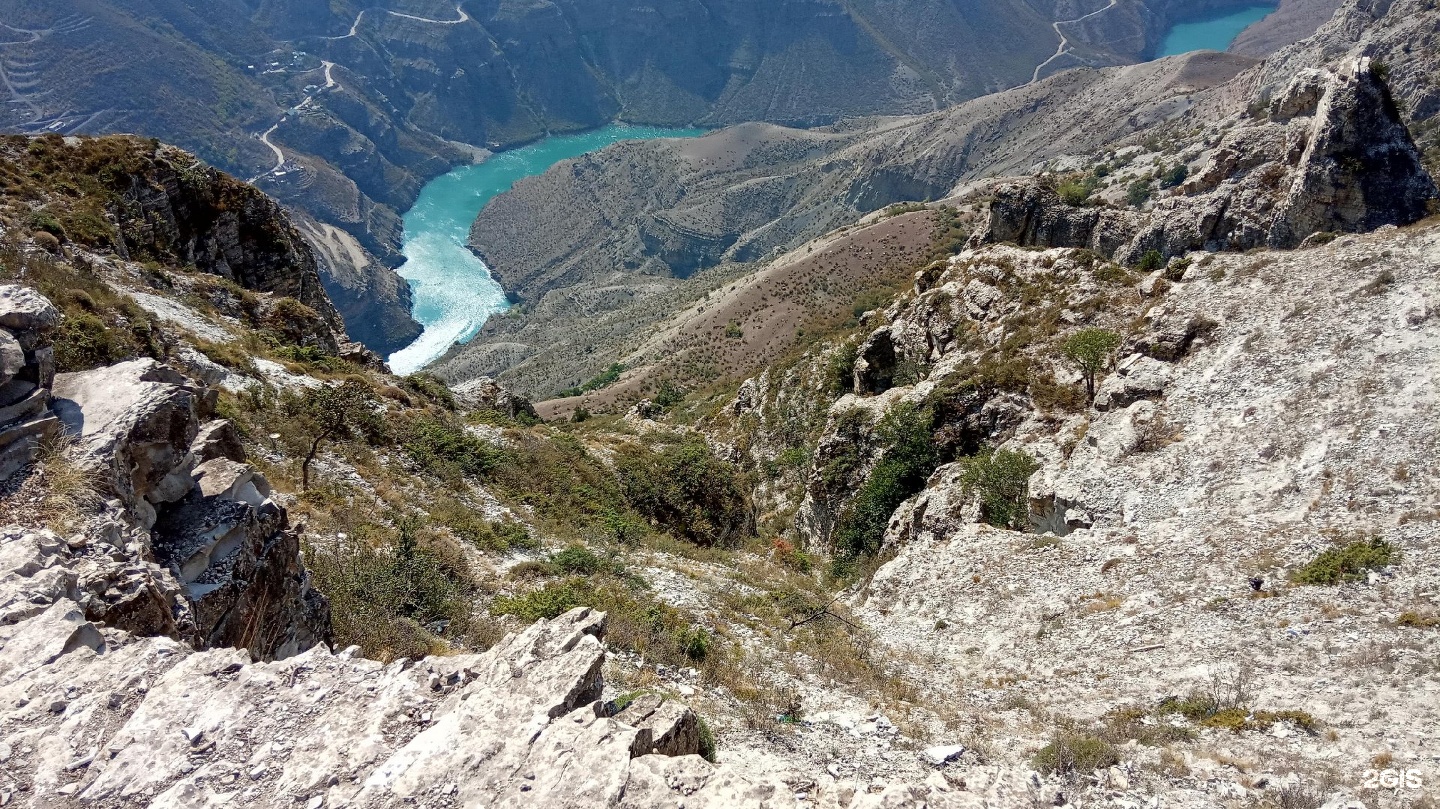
[(26, 312), (485, 393), (135, 420)]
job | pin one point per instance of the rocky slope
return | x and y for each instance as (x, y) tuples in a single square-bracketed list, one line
[(731, 201), (740, 196), (1329, 155), (343, 110), (912, 562)]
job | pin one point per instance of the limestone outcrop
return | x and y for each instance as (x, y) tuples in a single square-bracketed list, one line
[(1328, 154), (175, 206), (485, 393), (94, 716), (189, 544), (27, 370)]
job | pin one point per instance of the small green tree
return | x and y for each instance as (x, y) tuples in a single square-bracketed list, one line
[(1090, 351), (1151, 261), (1002, 479), (1137, 193), (1174, 176), (331, 413)]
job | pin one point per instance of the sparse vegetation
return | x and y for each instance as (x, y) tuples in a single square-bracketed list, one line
[(907, 460), (1417, 620), (1174, 176), (1076, 192), (1077, 753), (394, 591), (603, 379), (446, 449), (685, 489), (332, 412), (1137, 193), (1151, 261)]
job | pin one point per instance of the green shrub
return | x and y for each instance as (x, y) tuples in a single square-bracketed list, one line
[(447, 450), (581, 561), (471, 526), (1149, 262), (686, 489), (333, 413), (1090, 351), (514, 534), (431, 387), (1137, 193), (393, 601), (229, 354), (907, 460), (1228, 711), (1416, 620), (1074, 193), (695, 643), (44, 221), (311, 356), (84, 342), (707, 741), (840, 370), (551, 601), (1174, 176), (1001, 478), (1076, 753), (1349, 563), (1109, 273), (609, 376), (668, 395)]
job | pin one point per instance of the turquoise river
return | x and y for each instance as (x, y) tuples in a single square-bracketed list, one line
[(1213, 34), (454, 293)]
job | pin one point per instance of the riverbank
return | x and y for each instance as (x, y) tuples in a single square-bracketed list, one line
[(454, 293)]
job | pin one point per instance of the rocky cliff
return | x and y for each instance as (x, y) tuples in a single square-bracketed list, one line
[(188, 544), (1328, 155)]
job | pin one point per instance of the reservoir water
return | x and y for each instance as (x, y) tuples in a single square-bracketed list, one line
[(1213, 34), (453, 291)]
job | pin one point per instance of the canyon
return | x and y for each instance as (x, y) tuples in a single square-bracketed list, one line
[(1069, 446)]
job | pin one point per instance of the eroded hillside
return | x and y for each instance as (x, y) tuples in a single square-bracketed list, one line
[(1111, 485)]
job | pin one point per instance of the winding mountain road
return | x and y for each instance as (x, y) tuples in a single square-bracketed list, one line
[(355, 26), (330, 82), (1064, 46), (11, 71)]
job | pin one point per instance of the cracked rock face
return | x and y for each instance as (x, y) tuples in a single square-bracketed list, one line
[(27, 369), (1329, 155), (93, 716)]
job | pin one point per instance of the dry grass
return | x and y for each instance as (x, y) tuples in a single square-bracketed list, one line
[(60, 492)]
